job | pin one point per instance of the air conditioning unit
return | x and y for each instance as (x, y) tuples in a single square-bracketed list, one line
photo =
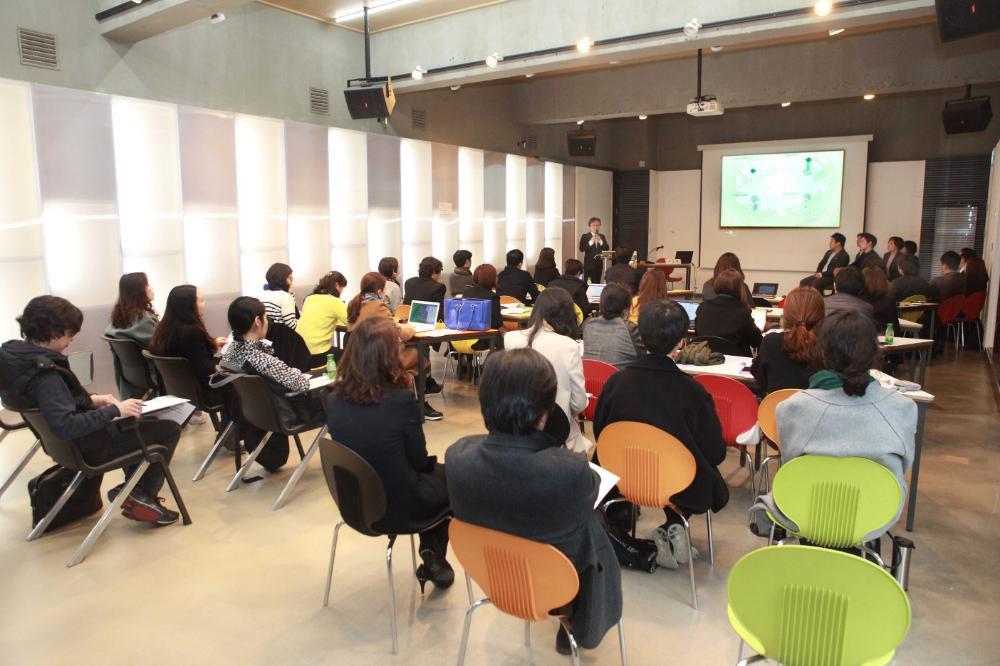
[(706, 105)]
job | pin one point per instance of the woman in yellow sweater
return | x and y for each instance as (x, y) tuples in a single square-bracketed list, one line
[(322, 312)]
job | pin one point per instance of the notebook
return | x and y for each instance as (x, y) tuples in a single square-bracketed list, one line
[(423, 315), (594, 292)]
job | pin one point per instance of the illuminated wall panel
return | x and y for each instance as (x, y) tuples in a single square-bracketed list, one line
[(445, 204), (471, 207), (384, 233), (415, 204), (348, 188), (494, 208), (570, 238), (534, 223), (308, 177), (517, 209), (553, 226)]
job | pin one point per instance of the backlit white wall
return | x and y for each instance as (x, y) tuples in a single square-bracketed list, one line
[(593, 199), (895, 201), (348, 185), (415, 203), (471, 203), (553, 226)]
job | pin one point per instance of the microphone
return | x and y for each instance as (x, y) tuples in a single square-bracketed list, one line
[(658, 247)]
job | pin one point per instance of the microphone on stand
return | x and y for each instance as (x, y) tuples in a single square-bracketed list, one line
[(658, 247)]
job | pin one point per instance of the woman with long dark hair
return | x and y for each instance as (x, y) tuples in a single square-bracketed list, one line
[(132, 318), (552, 331), (877, 293), (727, 315), (388, 267), (976, 277), (182, 333), (372, 411), (727, 261), (322, 312), (652, 287), (278, 299), (546, 269), (787, 359)]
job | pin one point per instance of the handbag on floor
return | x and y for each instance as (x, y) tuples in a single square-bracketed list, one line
[(45, 490)]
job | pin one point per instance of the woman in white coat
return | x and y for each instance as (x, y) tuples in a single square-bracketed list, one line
[(553, 325)]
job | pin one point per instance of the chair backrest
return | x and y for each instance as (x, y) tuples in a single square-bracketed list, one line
[(766, 413), (579, 314), (63, 451), (806, 606), (721, 345), (504, 300), (595, 376), (523, 578), (653, 464), (973, 305), (354, 485), (402, 313), (257, 405), (178, 379), (916, 314), (949, 309), (735, 405), (134, 368), (11, 425), (836, 501)]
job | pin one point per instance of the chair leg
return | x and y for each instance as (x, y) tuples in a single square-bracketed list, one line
[(468, 625), (527, 633), (694, 592), (750, 471), (185, 516), (621, 641), (102, 524), (572, 641), (711, 541), (211, 454), (329, 568), (413, 554), (20, 465), (392, 596), (740, 654), (54, 511), (298, 445), (242, 471), (468, 587), (300, 469), (770, 537)]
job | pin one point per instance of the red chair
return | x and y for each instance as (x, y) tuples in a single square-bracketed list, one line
[(971, 309), (595, 376), (948, 313), (667, 271), (736, 408)]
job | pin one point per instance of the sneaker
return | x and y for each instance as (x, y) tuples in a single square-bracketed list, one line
[(431, 414), (664, 555), (679, 543), (432, 387), (148, 510)]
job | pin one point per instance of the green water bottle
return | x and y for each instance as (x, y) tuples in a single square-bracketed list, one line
[(888, 334), (331, 367)]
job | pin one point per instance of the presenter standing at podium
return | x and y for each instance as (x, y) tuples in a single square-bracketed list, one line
[(592, 244)]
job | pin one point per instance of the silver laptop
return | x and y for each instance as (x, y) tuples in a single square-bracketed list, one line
[(690, 307), (423, 315), (594, 292)]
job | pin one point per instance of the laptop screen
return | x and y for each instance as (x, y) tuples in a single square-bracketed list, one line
[(684, 256), (423, 312), (765, 288), (594, 291), (691, 307)]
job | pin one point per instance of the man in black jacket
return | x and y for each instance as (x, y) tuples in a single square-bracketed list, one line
[(849, 286), (572, 280), (623, 271), (866, 256), (909, 283), (34, 372), (426, 286), (835, 257), (592, 244), (515, 281)]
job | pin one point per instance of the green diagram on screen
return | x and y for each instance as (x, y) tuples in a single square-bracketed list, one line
[(782, 190)]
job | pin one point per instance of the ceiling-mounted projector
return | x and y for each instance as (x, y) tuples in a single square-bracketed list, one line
[(705, 105)]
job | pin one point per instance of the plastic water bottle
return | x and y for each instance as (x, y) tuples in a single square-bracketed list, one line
[(635, 258), (888, 334), (331, 367)]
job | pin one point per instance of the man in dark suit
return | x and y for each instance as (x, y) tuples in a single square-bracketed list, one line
[(426, 286), (835, 257), (592, 244), (950, 282), (909, 283), (572, 281), (515, 281), (849, 284), (866, 256), (623, 271), (890, 258)]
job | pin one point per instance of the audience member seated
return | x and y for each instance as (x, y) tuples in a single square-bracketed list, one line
[(866, 256), (652, 288), (611, 337), (572, 280), (623, 271), (278, 299), (845, 412), (836, 257), (35, 373), (976, 277), (484, 283), (322, 312), (519, 480), (964, 255), (461, 277), (849, 285), (368, 304), (371, 410), (910, 248), (552, 331), (545, 268), (726, 261), (889, 259), (726, 315), (877, 293), (950, 282), (132, 318), (654, 390), (388, 267), (909, 283), (515, 281), (426, 286), (786, 359)]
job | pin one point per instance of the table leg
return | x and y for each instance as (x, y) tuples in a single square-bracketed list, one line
[(422, 376), (933, 319), (687, 276), (923, 356), (915, 470)]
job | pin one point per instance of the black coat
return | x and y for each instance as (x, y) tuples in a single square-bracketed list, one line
[(591, 253), (885, 313), (840, 259), (545, 275), (726, 317), (893, 268), (865, 259), (425, 289), (625, 274), (390, 437), (910, 285), (199, 351), (517, 282), (475, 291), (577, 288), (533, 488), (774, 370), (654, 390)]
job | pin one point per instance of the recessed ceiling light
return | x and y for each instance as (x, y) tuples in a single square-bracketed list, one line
[(372, 9), (492, 60), (529, 75), (417, 73), (785, 104), (823, 7), (614, 62), (691, 28), (579, 122), (835, 31), (869, 97), (642, 116), (583, 46), (717, 48), (454, 88)]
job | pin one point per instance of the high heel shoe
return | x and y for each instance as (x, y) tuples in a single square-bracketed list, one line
[(436, 570)]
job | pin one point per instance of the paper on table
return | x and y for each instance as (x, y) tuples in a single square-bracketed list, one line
[(318, 382), (608, 481), (439, 332), (161, 402)]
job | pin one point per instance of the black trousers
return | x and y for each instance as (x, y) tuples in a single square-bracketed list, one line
[(592, 273), (153, 431)]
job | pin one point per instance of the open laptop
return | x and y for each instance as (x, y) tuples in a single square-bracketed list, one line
[(765, 289), (690, 307), (423, 315), (684, 256), (594, 292)]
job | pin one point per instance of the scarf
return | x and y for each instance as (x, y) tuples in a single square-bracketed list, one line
[(827, 379)]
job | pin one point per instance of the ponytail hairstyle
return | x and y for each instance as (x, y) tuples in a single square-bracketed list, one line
[(242, 314), (848, 343), (371, 283), (132, 303), (804, 311)]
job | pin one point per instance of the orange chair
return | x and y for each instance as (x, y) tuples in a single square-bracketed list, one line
[(402, 313), (736, 407), (767, 420), (971, 308), (653, 466), (523, 578), (595, 375)]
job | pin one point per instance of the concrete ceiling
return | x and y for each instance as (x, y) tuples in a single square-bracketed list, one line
[(383, 14)]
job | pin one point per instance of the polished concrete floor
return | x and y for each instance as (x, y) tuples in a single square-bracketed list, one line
[(244, 584)]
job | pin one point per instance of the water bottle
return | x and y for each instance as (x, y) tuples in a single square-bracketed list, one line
[(331, 367), (635, 258), (888, 334)]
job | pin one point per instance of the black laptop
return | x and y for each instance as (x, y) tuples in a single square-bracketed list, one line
[(684, 256), (765, 289)]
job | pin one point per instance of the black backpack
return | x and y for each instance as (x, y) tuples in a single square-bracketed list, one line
[(45, 490)]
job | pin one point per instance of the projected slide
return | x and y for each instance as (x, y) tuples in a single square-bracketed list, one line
[(782, 190)]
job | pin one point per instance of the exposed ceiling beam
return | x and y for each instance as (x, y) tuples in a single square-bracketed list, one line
[(153, 18)]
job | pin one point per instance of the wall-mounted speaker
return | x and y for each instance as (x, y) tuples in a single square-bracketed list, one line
[(971, 114), (375, 100), (581, 143), (965, 18)]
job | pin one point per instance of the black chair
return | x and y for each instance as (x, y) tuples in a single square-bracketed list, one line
[(5, 429), (722, 345), (131, 365), (259, 408), (289, 346), (360, 495), (67, 454), (179, 380)]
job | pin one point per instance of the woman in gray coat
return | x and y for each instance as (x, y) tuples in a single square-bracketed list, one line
[(612, 338), (519, 480)]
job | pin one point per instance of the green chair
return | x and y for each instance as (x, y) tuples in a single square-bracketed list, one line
[(806, 606), (835, 502)]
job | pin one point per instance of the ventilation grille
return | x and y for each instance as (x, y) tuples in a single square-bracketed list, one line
[(319, 101), (37, 49), (531, 141), (418, 118)]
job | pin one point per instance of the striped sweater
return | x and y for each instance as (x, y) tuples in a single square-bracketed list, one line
[(280, 307)]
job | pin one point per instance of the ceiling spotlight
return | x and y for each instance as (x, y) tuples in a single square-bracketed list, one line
[(823, 7), (583, 46), (716, 48), (785, 104), (217, 17), (691, 28), (455, 88), (614, 62), (417, 73), (869, 97), (835, 31), (529, 75), (642, 116), (492, 60), (579, 122), (138, 2)]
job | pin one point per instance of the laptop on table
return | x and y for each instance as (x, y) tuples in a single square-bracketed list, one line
[(765, 289), (690, 307), (423, 315), (594, 292)]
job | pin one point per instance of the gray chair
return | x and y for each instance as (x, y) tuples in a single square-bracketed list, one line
[(7, 427), (130, 363)]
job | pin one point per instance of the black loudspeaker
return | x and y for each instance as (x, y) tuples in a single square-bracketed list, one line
[(371, 101), (581, 143), (964, 18), (971, 114)]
